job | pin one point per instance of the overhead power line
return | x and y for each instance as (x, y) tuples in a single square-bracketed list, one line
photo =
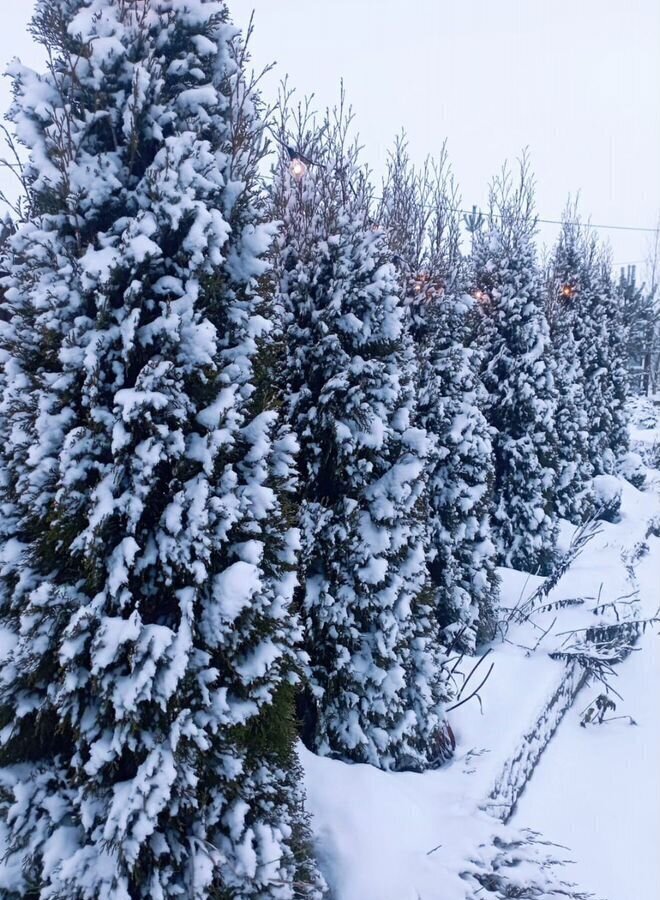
[(468, 212), (592, 225)]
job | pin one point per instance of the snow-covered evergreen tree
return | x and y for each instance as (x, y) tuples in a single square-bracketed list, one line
[(461, 485), (602, 342), (419, 213), (517, 370), (375, 670), (641, 313), (614, 421), (586, 311), (566, 282), (146, 742)]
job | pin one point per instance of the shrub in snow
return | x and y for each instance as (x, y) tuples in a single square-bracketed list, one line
[(631, 467), (375, 660), (650, 452), (644, 413), (146, 742), (607, 493), (520, 863), (418, 211), (517, 370), (595, 713)]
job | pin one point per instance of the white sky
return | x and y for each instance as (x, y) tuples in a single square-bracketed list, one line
[(578, 81)]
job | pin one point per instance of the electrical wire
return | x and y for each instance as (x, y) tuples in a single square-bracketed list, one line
[(469, 212)]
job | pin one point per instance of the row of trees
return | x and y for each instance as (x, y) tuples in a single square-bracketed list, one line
[(505, 382), (246, 464)]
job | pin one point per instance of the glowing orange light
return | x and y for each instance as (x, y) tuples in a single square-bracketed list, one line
[(298, 169), (426, 287), (568, 291)]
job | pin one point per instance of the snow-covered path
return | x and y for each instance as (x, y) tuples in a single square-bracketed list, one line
[(597, 789)]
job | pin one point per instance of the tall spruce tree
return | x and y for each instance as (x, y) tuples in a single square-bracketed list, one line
[(375, 659), (641, 315), (146, 743), (567, 279), (419, 212), (517, 370), (615, 419), (602, 345)]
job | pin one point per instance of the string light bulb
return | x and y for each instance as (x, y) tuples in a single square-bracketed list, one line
[(298, 168), (481, 296), (427, 288), (419, 283), (568, 291)]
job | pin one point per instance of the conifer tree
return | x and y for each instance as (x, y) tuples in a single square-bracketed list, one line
[(615, 418), (517, 370), (146, 743), (602, 342), (375, 669), (641, 314), (419, 212), (567, 279)]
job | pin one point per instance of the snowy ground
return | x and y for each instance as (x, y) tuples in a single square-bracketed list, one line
[(596, 789)]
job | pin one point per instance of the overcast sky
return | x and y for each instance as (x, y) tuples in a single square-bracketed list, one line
[(578, 81)]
